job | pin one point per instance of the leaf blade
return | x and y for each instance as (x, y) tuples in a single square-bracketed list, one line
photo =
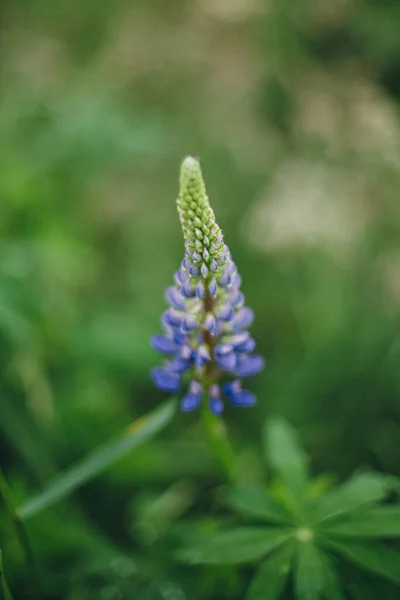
[(255, 501), (97, 461), (374, 557), (315, 576), (236, 546), (360, 489), (378, 522), (272, 575), (286, 456)]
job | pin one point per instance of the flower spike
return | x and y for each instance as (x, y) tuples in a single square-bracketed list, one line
[(205, 327)]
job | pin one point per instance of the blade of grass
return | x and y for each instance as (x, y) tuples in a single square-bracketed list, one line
[(21, 535), (100, 459), (5, 593)]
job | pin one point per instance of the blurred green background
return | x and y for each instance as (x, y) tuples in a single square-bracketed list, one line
[(293, 108)]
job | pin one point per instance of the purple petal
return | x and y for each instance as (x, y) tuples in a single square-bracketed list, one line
[(200, 290), (206, 254), (243, 318), (163, 344), (225, 279), (180, 365), (226, 313), (213, 266), (189, 323), (174, 297), (197, 257), (227, 361), (190, 402), (216, 405), (231, 388), (236, 298), (194, 271), (166, 380), (202, 355), (204, 270), (243, 398), (249, 365), (222, 349), (188, 290), (172, 317), (186, 263), (210, 324), (212, 287)]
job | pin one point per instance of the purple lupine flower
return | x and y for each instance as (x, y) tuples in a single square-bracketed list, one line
[(205, 339)]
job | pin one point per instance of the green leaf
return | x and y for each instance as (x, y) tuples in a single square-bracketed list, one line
[(100, 459), (286, 456), (255, 501), (374, 522), (374, 557), (360, 489), (272, 575), (315, 577), (5, 593), (240, 545)]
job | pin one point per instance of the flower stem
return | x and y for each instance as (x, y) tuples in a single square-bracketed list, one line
[(4, 589), (22, 536), (218, 440)]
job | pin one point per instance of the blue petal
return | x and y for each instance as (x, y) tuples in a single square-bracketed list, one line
[(189, 323), (249, 365), (202, 355), (236, 298), (231, 388), (213, 266), (179, 337), (216, 405), (204, 270), (243, 318), (194, 271), (210, 324), (186, 263), (190, 402), (227, 361), (181, 276), (172, 317), (223, 349), (166, 380), (197, 257), (200, 290), (188, 290), (174, 297), (212, 287), (180, 365), (225, 279), (243, 398), (226, 313), (163, 344)]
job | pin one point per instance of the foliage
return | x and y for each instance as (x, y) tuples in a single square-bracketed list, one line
[(293, 107)]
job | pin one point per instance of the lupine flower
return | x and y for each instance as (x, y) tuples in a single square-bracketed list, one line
[(205, 337)]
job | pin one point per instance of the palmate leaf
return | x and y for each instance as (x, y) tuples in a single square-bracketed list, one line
[(315, 577), (374, 557), (255, 501), (360, 489), (272, 575), (100, 459), (286, 456), (380, 522), (239, 545)]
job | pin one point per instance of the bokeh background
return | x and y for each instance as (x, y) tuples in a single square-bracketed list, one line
[(293, 108)]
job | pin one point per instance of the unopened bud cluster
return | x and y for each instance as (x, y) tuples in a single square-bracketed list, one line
[(205, 334)]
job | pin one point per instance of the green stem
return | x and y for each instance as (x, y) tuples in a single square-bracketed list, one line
[(5, 593), (218, 440), (21, 534)]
